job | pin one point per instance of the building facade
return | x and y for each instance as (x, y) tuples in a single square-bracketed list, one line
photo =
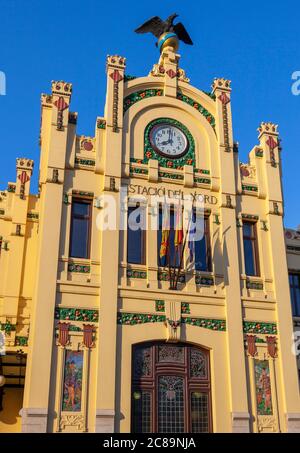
[(95, 340)]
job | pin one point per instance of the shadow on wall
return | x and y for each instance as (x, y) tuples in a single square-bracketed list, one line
[(10, 420)]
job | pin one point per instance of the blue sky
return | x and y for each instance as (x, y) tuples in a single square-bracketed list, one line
[(254, 45)]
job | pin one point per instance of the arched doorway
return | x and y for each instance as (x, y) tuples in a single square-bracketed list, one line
[(171, 390)]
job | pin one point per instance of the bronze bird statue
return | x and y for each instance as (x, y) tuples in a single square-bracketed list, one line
[(165, 30)]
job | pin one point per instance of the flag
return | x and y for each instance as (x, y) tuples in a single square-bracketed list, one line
[(192, 234), (165, 232), (178, 226)]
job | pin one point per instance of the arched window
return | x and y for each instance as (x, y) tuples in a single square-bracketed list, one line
[(170, 389)]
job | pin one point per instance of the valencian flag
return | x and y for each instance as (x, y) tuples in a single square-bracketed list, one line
[(164, 245), (192, 234), (178, 227)]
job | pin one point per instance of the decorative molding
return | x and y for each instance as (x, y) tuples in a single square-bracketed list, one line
[(207, 115), (7, 327), (11, 188), (211, 324), (81, 193), (76, 314), (204, 281), (250, 217), (117, 77), (251, 345), (202, 180), (200, 170), (133, 319), (163, 276), (250, 284), (101, 123), (259, 327), (131, 99), (163, 174), (136, 273), (128, 77), (185, 308), (33, 215), (77, 420), (80, 268), (225, 99), (249, 188), (87, 162), (138, 171), (160, 305), (21, 341)]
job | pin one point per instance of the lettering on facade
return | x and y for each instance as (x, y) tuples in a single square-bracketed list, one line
[(163, 192)]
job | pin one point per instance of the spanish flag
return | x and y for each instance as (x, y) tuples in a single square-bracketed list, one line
[(164, 245)]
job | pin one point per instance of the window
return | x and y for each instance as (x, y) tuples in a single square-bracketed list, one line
[(203, 251), (136, 235), (202, 246), (295, 293), (80, 228), (250, 249), (171, 252)]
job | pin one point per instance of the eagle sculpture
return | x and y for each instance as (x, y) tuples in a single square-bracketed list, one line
[(158, 27)]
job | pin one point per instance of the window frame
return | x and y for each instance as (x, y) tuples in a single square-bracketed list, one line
[(254, 242), (87, 201), (293, 288), (207, 244), (143, 240)]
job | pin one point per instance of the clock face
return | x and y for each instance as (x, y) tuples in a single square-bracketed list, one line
[(168, 140)]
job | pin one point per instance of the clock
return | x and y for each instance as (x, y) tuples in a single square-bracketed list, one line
[(169, 140)]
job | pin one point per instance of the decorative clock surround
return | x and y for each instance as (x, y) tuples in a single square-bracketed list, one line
[(155, 147)]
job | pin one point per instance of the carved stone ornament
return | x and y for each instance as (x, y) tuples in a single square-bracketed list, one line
[(267, 424), (72, 420)]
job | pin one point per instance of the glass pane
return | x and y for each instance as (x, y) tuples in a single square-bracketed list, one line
[(297, 301), (171, 404), (249, 258), (168, 353), (142, 411), (142, 362), (198, 364), (248, 229), (79, 238), (80, 209), (135, 236), (201, 259), (199, 412)]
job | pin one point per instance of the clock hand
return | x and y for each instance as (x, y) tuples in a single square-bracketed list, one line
[(170, 137)]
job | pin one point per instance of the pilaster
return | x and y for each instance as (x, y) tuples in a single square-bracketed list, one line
[(17, 238), (53, 149), (106, 361)]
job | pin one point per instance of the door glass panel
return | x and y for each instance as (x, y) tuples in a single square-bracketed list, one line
[(142, 410), (198, 368), (167, 353), (142, 360), (170, 404), (199, 412)]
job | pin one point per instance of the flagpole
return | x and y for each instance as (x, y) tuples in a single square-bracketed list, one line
[(183, 248)]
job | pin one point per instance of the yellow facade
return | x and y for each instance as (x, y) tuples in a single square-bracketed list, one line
[(43, 289)]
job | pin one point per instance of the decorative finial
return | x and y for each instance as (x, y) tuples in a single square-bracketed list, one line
[(166, 32)]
